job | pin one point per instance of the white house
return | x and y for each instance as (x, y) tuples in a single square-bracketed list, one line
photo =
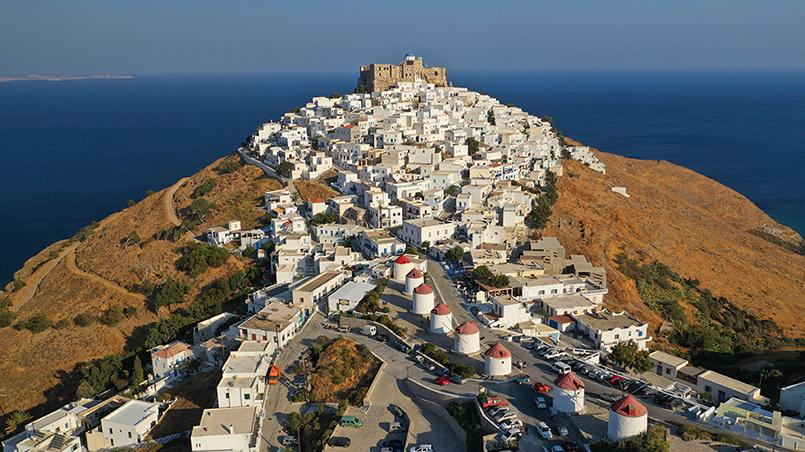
[(347, 297), (606, 329), (129, 424), (418, 230), (227, 430), (168, 359)]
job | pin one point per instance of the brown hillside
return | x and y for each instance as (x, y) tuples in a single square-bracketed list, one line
[(696, 226), (72, 277)]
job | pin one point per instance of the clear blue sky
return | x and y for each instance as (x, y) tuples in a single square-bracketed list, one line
[(201, 36)]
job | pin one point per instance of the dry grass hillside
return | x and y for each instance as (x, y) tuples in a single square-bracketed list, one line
[(76, 276), (699, 228)]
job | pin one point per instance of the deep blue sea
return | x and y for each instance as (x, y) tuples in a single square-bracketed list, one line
[(76, 151)]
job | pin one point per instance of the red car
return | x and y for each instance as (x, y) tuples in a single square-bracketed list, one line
[(615, 380), (442, 381), (541, 387), (493, 402)]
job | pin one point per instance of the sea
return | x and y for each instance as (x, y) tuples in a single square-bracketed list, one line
[(75, 151)]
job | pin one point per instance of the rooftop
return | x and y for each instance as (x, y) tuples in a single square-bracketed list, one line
[(317, 281), (273, 317), (604, 321), (352, 291), (628, 406), (667, 358), (727, 382), (226, 421), (568, 302), (132, 412)]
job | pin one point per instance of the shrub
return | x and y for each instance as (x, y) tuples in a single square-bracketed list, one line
[(84, 319), (17, 285), (6, 317), (61, 324), (112, 316), (130, 311), (228, 166), (196, 258), (204, 188), (324, 218), (84, 233), (36, 324), (285, 168), (170, 292)]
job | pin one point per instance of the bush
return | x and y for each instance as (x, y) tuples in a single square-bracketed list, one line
[(228, 166), (6, 317), (197, 211), (285, 168), (84, 319), (170, 292), (204, 188), (130, 311), (36, 324), (324, 218), (112, 316), (84, 233), (198, 257)]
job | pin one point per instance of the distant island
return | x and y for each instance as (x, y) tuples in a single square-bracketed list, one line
[(61, 78)]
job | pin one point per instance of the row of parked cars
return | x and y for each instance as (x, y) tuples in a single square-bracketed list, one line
[(512, 428)]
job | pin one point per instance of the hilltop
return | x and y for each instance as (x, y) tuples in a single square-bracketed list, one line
[(696, 226), (108, 266)]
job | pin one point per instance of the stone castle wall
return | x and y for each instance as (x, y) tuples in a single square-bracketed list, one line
[(380, 77)]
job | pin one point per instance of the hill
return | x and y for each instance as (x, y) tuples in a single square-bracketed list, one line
[(112, 266), (704, 232)]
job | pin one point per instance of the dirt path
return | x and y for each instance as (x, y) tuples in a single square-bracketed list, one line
[(111, 285), (25, 294), (167, 200)]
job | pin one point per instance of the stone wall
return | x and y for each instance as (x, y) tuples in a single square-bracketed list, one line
[(380, 77)]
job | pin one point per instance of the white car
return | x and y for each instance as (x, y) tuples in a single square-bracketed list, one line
[(505, 417), (421, 448), (544, 430), (541, 403), (511, 423), (497, 410)]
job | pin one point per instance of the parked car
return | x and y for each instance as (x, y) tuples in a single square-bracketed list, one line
[(570, 447), (544, 431), (522, 379), (562, 430), (561, 367), (505, 416), (396, 411), (339, 441), (421, 448), (498, 410), (553, 354), (541, 387), (610, 396), (396, 426), (382, 338), (351, 421), (519, 364), (616, 379), (494, 402), (457, 379), (288, 440), (557, 448), (512, 423), (541, 403), (512, 434), (442, 381)]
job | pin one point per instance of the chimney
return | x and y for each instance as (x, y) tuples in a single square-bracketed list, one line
[(231, 429)]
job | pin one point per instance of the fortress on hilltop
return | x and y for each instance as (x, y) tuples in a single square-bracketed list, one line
[(379, 77)]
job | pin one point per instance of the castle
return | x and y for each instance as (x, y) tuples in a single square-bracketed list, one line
[(380, 77)]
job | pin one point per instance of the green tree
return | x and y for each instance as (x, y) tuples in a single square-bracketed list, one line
[(170, 292), (324, 218), (285, 169), (455, 254), (629, 356), (499, 281), (425, 246), (482, 272), (203, 188), (16, 421), (453, 190), (473, 145), (84, 319), (228, 166), (137, 374)]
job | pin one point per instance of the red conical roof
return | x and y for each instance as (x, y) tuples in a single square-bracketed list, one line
[(423, 289), (403, 260), (498, 351), (569, 381), (415, 273), (441, 309), (628, 406), (467, 328)]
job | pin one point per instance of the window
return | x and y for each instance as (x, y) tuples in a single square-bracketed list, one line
[(129, 434), (667, 371), (247, 396), (110, 430)]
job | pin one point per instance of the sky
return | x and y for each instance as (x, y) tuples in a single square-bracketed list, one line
[(249, 36)]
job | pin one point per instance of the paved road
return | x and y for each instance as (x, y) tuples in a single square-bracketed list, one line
[(269, 171)]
